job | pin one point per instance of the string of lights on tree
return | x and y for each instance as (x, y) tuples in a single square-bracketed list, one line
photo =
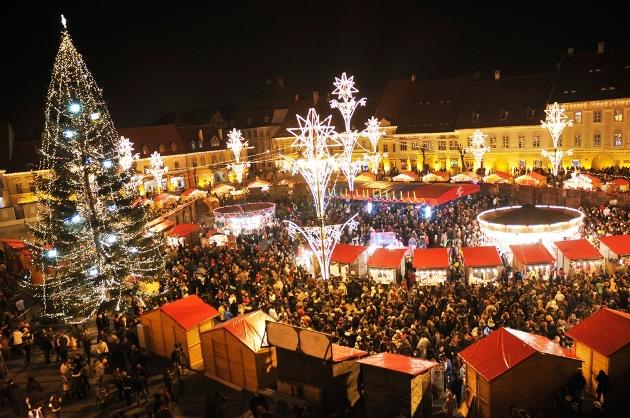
[(92, 236)]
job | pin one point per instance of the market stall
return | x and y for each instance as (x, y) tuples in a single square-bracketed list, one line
[(577, 255), (160, 226), (582, 181), (164, 198), (246, 218), (184, 234), (214, 237), (498, 178), (222, 189), (616, 250), (510, 367), (438, 176), (387, 265), (348, 260), (531, 179), (259, 184), (532, 258), (406, 176), (191, 194), (482, 264), (397, 385), (431, 265), (466, 177), (616, 185)]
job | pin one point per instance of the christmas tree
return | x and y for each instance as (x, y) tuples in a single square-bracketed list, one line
[(92, 235)]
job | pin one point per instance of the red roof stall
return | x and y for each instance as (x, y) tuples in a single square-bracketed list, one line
[(578, 254), (396, 385), (531, 257), (236, 352), (615, 247), (184, 234), (602, 341), (387, 265), (349, 259), (510, 367), (431, 265), (178, 322), (482, 264)]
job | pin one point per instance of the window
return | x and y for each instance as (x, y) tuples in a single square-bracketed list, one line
[(31, 187), (521, 141), (200, 134), (403, 164), (505, 141), (428, 145), (453, 145), (454, 163), (618, 115), (145, 150), (536, 141), (203, 161), (18, 188), (597, 116), (249, 121), (474, 116), (393, 147), (537, 163), (385, 148), (215, 142), (266, 119), (597, 139), (530, 113), (200, 143), (162, 149), (617, 139), (194, 162), (493, 142), (403, 146), (193, 144), (504, 114), (576, 163), (442, 145), (577, 117), (173, 146), (577, 140), (415, 145), (176, 165)]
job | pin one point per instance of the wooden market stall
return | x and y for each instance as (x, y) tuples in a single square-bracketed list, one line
[(531, 257), (466, 177), (483, 264), (615, 248), (617, 185), (396, 384), (583, 181), (236, 352), (438, 176), (531, 179), (406, 176), (191, 194), (349, 260), (184, 234), (510, 367), (498, 177), (313, 369), (387, 265), (602, 341), (259, 184), (431, 265), (577, 254), (177, 322)]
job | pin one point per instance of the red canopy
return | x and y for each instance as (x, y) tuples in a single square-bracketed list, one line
[(481, 257), (387, 257), (341, 353), (346, 253), (578, 249), (621, 182), (505, 348), (248, 328), (430, 258), (190, 311), (532, 254), (618, 244), (15, 244), (182, 230), (399, 363), (606, 331)]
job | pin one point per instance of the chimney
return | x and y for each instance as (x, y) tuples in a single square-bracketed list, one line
[(220, 133), (315, 97), (413, 78), (600, 47), (497, 74), (296, 97), (280, 81), (570, 51)]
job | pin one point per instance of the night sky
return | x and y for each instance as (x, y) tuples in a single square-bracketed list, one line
[(152, 58)]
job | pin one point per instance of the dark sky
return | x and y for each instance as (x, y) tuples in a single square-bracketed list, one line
[(152, 58)]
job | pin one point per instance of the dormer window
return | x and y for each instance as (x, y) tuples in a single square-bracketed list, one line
[(504, 114), (162, 149), (569, 91), (145, 150), (266, 119), (530, 113), (595, 70), (173, 146), (193, 144), (249, 121), (608, 88), (474, 116), (215, 141)]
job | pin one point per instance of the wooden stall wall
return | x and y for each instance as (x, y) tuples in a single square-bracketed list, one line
[(619, 366), (384, 396)]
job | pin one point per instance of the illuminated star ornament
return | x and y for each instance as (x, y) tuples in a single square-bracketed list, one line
[(63, 22), (478, 147), (555, 121)]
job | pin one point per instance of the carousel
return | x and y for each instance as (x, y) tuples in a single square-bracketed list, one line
[(246, 218)]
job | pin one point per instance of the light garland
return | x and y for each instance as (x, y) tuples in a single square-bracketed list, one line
[(237, 144), (478, 147), (555, 122)]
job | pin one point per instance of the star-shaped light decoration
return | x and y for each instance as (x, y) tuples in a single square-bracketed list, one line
[(158, 168), (236, 143), (478, 147), (555, 121), (314, 137), (373, 132), (345, 102), (126, 157)]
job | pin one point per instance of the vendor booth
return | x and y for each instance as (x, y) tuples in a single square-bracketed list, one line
[(192, 194), (246, 218), (184, 234), (465, 177), (160, 226), (165, 198), (532, 258), (577, 255), (531, 179), (348, 260), (396, 385), (482, 264), (615, 247), (498, 178), (313, 369), (582, 181), (259, 184), (431, 265), (406, 176), (387, 265), (438, 176), (510, 367), (177, 322), (602, 341), (621, 185), (214, 237), (236, 352), (222, 190)]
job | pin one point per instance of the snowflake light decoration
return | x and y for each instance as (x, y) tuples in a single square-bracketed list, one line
[(239, 170), (478, 147), (236, 143), (158, 168), (555, 121), (373, 132), (345, 102), (126, 157)]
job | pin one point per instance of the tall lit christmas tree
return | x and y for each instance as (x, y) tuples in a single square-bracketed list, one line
[(92, 235)]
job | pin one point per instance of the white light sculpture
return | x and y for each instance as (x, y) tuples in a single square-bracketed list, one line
[(374, 133), (158, 168), (239, 170), (236, 144), (478, 147), (555, 122), (126, 157)]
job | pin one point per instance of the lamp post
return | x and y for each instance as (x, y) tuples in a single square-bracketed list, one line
[(555, 122)]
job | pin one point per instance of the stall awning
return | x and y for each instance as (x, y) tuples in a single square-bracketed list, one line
[(621, 182), (387, 257), (428, 194), (406, 176), (341, 353), (248, 328), (15, 244), (346, 253), (481, 257), (164, 196), (193, 192), (578, 249), (399, 363), (431, 259), (532, 254), (606, 331), (505, 348), (258, 183), (162, 226), (618, 244), (189, 311), (183, 230)]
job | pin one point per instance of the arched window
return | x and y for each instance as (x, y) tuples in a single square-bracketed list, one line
[(145, 150), (173, 146), (162, 149)]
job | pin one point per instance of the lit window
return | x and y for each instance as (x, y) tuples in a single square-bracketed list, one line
[(577, 140), (266, 119), (385, 148), (427, 145), (521, 141), (162, 149), (493, 142), (597, 139), (145, 150), (474, 116), (537, 163), (597, 116), (577, 117), (442, 145), (536, 141), (203, 160), (176, 165), (403, 146), (505, 141), (173, 146), (618, 115), (617, 139), (393, 147), (453, 145), (504, 114), (415, 145), (193, 144), (454, 163), (194, 162), (18, 188), (530, 113)]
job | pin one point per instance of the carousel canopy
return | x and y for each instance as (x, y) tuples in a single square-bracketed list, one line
[(505, 348), (346, 253), (578, 249), (532, 254), (245, 210), (481, 257), (183, 230), (431, 259), (387, 258), (606, 331), (618, 244), (399, 363), (531, 215), (189, 311)]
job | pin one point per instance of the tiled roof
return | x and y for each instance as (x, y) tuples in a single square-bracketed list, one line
[(392, 101), (154, 136)]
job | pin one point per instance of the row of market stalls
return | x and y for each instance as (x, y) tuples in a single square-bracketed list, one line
[(296, 365), (577, 181), (226, 189)]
